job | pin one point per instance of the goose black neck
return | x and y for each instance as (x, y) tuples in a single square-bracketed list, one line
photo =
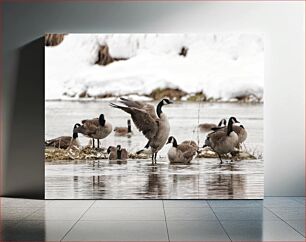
[(119, 154), (230, 127), (174, 144), (159, 108), (129, 128), (75, 135), (101, 121)]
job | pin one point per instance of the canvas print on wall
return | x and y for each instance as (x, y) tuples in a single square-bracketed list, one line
[(154, 116)]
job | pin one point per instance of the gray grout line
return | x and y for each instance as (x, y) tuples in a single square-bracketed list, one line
[(166, 221), (285, 221), (77, 220), (220, 222)]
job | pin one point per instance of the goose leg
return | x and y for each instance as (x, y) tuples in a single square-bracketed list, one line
[(98, 143), (152, 158), (93, 143), (155, 157), (221, 161)]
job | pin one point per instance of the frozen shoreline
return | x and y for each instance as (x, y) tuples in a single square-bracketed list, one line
[(222, 66)]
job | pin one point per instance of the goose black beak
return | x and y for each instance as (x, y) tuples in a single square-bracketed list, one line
[(205, 146)]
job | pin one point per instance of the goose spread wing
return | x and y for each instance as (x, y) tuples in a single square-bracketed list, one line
[(149, 108), (142, 120)]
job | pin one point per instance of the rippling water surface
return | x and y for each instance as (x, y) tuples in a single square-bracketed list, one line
[(138, 179)]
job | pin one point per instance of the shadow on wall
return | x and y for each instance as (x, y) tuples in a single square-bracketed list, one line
[(26, 129)]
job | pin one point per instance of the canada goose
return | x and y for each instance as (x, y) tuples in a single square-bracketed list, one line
[(124, 131), (122, 154), (63, 142), (154, 127), (207, 127), (96, 128), (182, 153), (112, 151), (117, 153), (223, 140), (239, 130)]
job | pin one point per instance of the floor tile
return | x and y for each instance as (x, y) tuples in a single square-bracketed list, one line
[(235, 203), (124, 214), (7, 224), (298, 225), (300, 200), (55, 213), (39, 230), (244, 214), (196, 231), (185, 203), (281, 202), (261, 230), (189, 214), (289, 213), (21, 203), (11, 213), (118, 231), (69, 203), (128, 203)]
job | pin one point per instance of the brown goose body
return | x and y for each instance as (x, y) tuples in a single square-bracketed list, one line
[(154, 126), (64, 142), (182, 153), (223, 140), (96, 128), (117, 153), (207, 127), (124, 131)]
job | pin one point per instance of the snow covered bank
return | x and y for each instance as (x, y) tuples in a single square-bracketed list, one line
[(221, 65)]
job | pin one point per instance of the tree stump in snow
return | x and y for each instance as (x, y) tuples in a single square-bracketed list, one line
[(53, 39)]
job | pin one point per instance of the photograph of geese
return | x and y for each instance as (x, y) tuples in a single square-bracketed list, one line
[(154, 116)]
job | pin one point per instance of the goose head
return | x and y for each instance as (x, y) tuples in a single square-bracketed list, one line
[(231, 121), (166, 101), (207, 142), (110, 148), (75, 133), (222, 122), (172, 140), (101, 120), (118, 147)]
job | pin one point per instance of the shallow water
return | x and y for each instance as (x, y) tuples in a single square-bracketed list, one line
[(138, 179)]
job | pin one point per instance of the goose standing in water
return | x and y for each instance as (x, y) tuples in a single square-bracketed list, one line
[(124, 131), (182, 153), (239, 130), (207, 127), (63, 142), (154, 126), (96, 128), (223, 140)]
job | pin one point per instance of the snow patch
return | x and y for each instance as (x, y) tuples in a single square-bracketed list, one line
[(222, 65)]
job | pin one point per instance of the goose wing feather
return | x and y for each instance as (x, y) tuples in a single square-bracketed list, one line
[(149, 108), (142, 120)]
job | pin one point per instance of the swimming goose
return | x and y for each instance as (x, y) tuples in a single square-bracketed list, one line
[(154, 127), (182, 153), (96, 128), (63, 142), (207, 127), (223, 140), (112, 153), (117, 153), (124, 131)]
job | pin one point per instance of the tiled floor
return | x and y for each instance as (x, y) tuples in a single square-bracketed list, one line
[(274, 219)]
